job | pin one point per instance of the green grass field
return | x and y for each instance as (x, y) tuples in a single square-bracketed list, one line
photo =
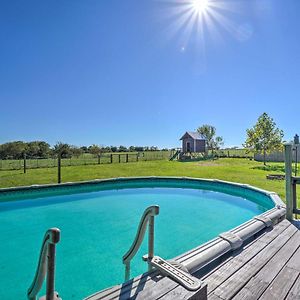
[(230, 169)]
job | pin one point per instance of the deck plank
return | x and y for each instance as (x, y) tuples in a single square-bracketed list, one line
[(183, 294), (282, 284), (294, 293), (150, 287), (294, 262), (129, 288), (233, 284), (218, 276), (260, 282)]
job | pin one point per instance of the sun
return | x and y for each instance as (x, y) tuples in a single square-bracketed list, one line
[(200, 6), (193, 22)]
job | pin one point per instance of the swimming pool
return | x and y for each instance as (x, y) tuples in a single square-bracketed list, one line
[(98, 222)]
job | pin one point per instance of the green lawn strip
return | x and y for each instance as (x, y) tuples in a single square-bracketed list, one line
[(236, 170)]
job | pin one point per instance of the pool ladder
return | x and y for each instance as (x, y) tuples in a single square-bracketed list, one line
[(165, 267), (147, 218), (46, 266)]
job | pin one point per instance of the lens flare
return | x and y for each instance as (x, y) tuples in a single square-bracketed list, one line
[(200, 6)]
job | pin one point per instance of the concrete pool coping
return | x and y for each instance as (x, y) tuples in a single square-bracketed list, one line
[(210, 251)]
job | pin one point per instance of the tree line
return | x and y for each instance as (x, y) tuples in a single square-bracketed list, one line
[(263, 138), (41, 149)]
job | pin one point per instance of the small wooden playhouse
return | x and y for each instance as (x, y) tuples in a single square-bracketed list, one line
[(193, 142)]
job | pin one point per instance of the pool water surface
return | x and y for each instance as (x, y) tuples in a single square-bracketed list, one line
[(98, 227)]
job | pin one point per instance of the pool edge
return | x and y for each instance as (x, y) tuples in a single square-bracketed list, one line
[(273, 196)]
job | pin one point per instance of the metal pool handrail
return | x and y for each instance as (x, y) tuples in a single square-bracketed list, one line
[(46, 265), (148, 217)]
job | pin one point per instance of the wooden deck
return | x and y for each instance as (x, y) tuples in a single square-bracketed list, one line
[(266, 268)]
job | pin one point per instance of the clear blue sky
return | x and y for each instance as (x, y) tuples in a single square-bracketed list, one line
[(142, 72)]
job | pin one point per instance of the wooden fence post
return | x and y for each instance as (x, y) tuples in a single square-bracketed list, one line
[(119, 158), (111, 158), (288, 181), (137, 157), (59, 168), (99, 159), (127, 157), (24, 164)]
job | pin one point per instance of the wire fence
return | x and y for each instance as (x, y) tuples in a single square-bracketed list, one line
[(234, 153), (87, 159)]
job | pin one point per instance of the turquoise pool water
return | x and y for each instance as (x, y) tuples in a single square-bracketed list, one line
[(98, 227)]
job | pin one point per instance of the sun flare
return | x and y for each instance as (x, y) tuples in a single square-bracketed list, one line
[(196, 23), (200, 6)]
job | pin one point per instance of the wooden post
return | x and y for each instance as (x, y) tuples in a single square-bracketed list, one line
[(111, 158), (127, 157), (98, 159), (296, 161), (288, 181), (59, 168), (137, 157), (24, 164), (119, 158)]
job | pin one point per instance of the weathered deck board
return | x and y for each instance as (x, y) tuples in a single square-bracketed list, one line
[(237, 281), (294, 293), (152, 286), (218, 276), (281, 285), (294, 262), (260, 282)]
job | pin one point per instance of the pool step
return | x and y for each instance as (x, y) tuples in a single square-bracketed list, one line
[(188, 281)]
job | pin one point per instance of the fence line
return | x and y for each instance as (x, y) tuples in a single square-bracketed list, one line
[(104, 158), (278, 156), (234, 153)]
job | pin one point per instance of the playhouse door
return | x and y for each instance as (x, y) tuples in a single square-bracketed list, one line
[(188, 147)]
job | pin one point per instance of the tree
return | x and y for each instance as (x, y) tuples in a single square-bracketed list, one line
[(38, 149), (13, 150), (76, 151), (84, 149), (122, 149), (264, 137), (65, 150), (94, 149), (208, 132)]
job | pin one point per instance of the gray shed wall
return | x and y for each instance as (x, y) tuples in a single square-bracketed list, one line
[(200, 145), (184, 144), (195, 145)]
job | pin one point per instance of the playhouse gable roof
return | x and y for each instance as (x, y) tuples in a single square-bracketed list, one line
[(193, 135)]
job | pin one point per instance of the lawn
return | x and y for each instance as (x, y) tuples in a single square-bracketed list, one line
[(230, 169)]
